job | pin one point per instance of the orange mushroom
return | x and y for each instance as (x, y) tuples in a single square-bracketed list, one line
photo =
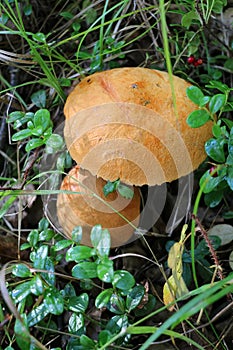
[(122, 124), (88, 206)]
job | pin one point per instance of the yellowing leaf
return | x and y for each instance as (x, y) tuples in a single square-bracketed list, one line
[(169, 292)]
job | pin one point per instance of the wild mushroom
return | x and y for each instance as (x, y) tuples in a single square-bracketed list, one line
[(122, 124), (87, 206)]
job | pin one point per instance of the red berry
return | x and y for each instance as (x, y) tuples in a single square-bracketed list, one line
[(191, 59), (198, 62)]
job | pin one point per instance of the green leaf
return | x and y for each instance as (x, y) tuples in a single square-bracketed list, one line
[(14, 116), (216, 103), (21, 270), (37, 287), (39, 98), (135, 297), (104, 337), (78, 303), (27, 10), (21, 135), (40, 37), (42, 119), (110, 187), (21, 291), (49, 275), (117, 323), (211, 182), (194, 94), (34, 143), (54, 144), (79, 253), (77, 234), (212, 199), (63, 244), (76, 322), (87, 342), (37, 314), (33, 238), (147, 308), (54, 301), (198, 118), (202, 248), (103, 298), (105, 270), (229, 64), (188, 18), (125, 191), (229, 177), (215, 149), (23, 339), (85, 270), (123, 280), (40, 257), (101, 240), (46, 235), (116, 304)]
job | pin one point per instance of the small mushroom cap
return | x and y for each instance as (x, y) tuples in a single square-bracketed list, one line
[(122, 124), (81, 208)]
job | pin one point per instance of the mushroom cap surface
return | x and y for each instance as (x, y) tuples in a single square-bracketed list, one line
[(81, 208), (122, 123)]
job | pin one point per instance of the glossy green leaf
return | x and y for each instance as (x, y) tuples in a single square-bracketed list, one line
[(110, 187), (37, 314), (63, 244), (34, 143), (22, 335), (85, 270), (49, 275), (229, 177), (216, 103), (215, 149), (211, 182), (46, 235), (194, 94), (42, 118), (13, 116), (101, 240), (123, 280), (117, 323), (78, 303), (21, 291), (76, 322), (21, 135), (54, 301), (77, 234), (198, 118), (41, 255), (37, 286), (105, 270), (103, 298), (78, 253), (135, 297), (33, 238), (202, 248), (116, 304), (212, 199), (21, 270)]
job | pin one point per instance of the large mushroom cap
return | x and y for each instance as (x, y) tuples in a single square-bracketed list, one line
[(81, 208), (122, 124)]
